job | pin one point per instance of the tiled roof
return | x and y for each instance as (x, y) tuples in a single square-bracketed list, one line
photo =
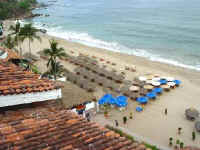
[(26, 111), (14, 80), (60, 130)]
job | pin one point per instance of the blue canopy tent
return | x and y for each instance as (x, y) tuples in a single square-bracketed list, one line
[(151, 95), (177, 82), (112, 100), (121, 104), (121, 101), (142, 100), (157, 90), (105, 99), (163, 81), (139, 109), (122, 98)]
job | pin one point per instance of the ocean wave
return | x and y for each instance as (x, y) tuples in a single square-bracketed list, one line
[(85, 38)]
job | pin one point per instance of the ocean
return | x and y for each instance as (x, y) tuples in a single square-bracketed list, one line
[(161, 30)]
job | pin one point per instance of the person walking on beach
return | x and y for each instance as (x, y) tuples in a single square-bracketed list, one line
[(116, 123), (179, 130), (165, 111), (124, 119)]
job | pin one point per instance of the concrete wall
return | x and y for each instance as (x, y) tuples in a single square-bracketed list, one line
[(10, 100)]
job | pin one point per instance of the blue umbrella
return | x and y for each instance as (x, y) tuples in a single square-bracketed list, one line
[(121, 98), (139, 109), (177, 82), (112, 101), (151, 95), (163, 81), (142, 100), (157, 90), (105, 99), (121, 103)]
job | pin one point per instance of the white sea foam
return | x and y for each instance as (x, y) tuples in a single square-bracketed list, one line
[(86, 39)]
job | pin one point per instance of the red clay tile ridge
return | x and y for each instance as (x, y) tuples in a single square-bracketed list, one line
[(62, 130), (18, 86)]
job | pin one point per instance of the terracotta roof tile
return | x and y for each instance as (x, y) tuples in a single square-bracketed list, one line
[(13, 80), (63, 130)]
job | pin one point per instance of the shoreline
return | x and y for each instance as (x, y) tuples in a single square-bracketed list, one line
[(148, 56), (143, 124), (135, 59)]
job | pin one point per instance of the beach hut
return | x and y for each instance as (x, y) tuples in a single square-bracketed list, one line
[(197, 125), (191, 113), (142, 100)]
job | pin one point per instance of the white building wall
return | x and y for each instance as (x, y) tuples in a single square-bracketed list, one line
[(10, 100)]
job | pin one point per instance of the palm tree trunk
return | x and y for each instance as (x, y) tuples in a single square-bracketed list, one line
[(29, 48), (20, 49), (55, 70)]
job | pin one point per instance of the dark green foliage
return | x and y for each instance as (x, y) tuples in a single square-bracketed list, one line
[(152, 147), (55, 68), (193, 135), (14, 8)]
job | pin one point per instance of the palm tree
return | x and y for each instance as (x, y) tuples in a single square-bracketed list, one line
[(54, 52), (29, 32), (15, 30), (9, 42)]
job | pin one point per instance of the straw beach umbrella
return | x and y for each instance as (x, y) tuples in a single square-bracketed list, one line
[(150, 77), (148, 87), (165, 87), (155, 83), (171, 84), (191, 113), (142, 78), (170, 79), (134, 95), (134, 88)]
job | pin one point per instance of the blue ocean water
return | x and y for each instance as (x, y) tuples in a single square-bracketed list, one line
[(161, 30)]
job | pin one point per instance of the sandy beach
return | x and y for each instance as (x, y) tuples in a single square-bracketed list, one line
[(151, 123)]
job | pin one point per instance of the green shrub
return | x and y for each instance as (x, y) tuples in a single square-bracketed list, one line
[(25, 4), (153, 147), (13, 8)]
